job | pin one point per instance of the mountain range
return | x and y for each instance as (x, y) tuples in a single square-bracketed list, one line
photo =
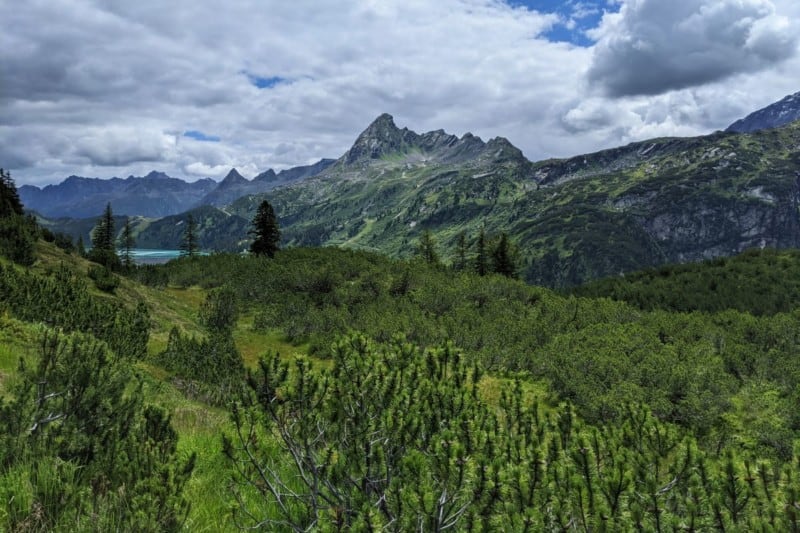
[(153, 195), (648, 203)]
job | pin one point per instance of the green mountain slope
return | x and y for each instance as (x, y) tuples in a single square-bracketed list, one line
[(670, 200), (660, 201), (760, 282), (216, 230)]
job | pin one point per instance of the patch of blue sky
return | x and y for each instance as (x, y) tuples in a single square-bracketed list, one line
[(265, 82), (200, 136), (576, 17)]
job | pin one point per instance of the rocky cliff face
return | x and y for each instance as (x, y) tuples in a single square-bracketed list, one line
[(383, 140), (772, 116)]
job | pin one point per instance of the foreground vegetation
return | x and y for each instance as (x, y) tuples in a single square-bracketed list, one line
[(325, 389)]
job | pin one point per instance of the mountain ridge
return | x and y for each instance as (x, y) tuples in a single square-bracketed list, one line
[(573, 219), (778, 114), (153, 195), (651, 202)]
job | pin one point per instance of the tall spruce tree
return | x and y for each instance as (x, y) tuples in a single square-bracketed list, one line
[(462, 249), (18, 233), (10, 203), (266, 231), (482, 254), (189, 247), (427, 248), (127, 244), (503, 257), (103, 241)]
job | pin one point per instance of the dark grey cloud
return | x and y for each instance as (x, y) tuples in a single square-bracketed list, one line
[(654, 46)]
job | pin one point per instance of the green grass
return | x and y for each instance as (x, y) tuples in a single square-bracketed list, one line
[(18, 340), (253, 344), (200, 429)]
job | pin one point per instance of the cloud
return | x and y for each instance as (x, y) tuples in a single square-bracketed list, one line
[(652, 46), (119, 88), (120, 146), (203, 170)]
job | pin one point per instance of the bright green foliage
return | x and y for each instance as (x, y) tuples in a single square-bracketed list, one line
[(208, 368), (383, 439), (104, 251), (761, 282), (266, 231), (220, 311), (398, 437), (61, 300), (692, 369), (95, 456)]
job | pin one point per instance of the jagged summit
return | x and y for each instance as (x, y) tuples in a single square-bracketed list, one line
[(233, 177), (156, 175), (778, 114), (383, 138), (267, 176)]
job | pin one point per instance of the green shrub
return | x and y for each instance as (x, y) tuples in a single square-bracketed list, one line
[(103, 278)]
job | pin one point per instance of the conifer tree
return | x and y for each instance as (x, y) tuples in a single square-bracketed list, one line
[(78, 424), (189, 242), (10, 203), (427, 248), (266, 231), (127, 244), (502, 257), (482, 254), (103, 242), (18, 233), (462, 249)]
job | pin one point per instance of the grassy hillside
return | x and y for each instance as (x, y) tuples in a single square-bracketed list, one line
[(491, 404)]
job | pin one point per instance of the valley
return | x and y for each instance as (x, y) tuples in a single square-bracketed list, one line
[(384, 369), (573, 220)]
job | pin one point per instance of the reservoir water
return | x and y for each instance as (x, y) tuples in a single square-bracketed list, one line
[(143, 256)]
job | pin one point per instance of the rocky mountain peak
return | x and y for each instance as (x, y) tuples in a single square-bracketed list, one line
[(382, 137), (233, 178), (155, 175), (501, 149), (267, 176), (773, 116)]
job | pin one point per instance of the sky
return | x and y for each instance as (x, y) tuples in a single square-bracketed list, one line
[(195, 87)]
